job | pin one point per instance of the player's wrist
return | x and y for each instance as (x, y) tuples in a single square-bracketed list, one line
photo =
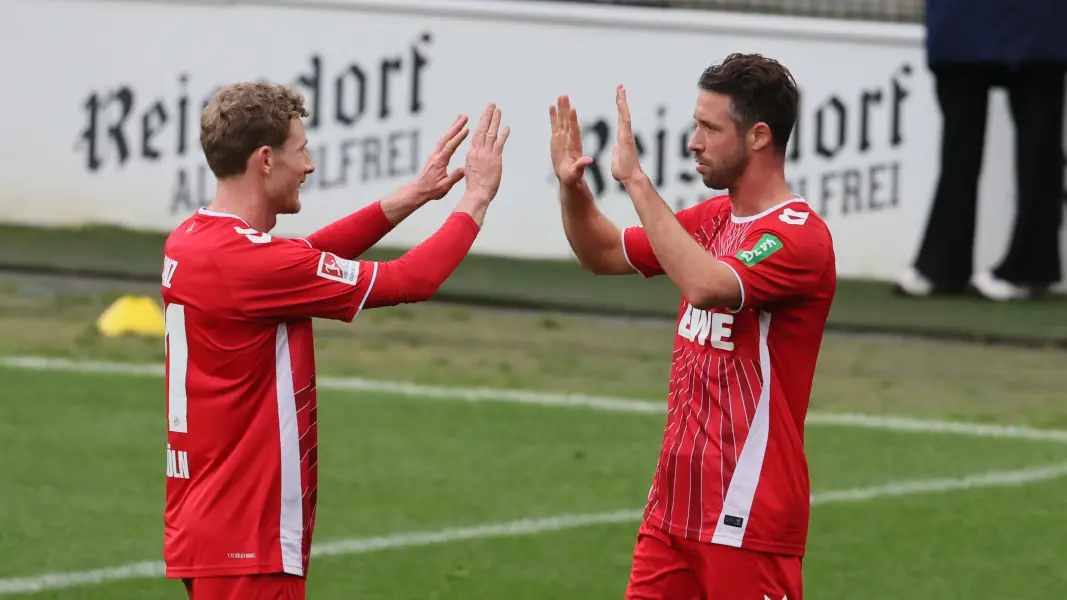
[(476, 212), (415, 194), (572, 185), (637, 180), (476, 198), (397, 206)]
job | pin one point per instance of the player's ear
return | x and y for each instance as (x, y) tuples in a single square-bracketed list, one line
[(760, 136), (262, 160)]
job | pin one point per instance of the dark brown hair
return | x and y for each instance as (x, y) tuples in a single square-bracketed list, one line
[(243, 117), (760, 90)]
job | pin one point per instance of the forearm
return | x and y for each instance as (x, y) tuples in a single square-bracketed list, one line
[(353, 235), (474, 207), (417, 275), (596, 241), (703, 280), (400, 204)]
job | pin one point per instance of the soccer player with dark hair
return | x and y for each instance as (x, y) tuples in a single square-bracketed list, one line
[(242, 457), (727, 514)]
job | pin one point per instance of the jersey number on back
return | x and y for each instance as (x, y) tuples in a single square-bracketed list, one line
[(177, 350)]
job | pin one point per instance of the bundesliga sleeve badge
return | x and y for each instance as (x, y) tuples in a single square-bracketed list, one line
[(338, 269)]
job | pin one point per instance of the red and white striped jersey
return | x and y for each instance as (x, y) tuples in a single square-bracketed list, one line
[(242, 459), (732, 469)]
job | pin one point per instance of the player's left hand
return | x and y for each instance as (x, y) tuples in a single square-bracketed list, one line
[(625, 164), (435, 181)]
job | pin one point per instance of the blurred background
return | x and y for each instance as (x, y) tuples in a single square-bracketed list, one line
[(500, 440), (901, 11)]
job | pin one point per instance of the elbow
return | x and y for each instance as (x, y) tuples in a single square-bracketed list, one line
[(704, 296), (589, 261), (606, 262), (721, 288), (703, 301), (594, 267)]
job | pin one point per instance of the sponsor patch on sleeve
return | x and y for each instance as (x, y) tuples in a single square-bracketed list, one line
[(766, 246), (338, 269)]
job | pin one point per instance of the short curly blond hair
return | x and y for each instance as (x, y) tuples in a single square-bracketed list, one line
[(243, 117)]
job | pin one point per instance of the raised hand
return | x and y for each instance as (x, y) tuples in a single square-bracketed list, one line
[(485, 158), (625, 163), (435, 181), (566, 146)]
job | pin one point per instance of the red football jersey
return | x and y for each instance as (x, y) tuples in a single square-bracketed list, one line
[(732, 469), (241, 410)]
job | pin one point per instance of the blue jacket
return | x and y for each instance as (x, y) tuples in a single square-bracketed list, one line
[(1008, 32)]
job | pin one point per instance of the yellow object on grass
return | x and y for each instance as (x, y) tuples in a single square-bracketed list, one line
[(136, 315)]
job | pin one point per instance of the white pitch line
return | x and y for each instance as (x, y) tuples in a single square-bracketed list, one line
[(933, 426), (538, 398), (147, 570)]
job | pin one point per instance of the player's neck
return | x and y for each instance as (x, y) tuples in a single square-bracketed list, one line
[(236, 198), (758, 191)]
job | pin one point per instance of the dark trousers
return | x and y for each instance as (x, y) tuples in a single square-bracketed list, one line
[(1036, 95)]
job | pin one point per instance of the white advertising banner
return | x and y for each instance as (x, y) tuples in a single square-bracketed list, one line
[(103, 103)]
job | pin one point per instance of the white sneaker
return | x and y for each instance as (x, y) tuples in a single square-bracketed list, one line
[(994, 288), (914, 283)]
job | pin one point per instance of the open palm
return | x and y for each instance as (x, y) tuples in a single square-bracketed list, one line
[(485, 158), (436, 180), (625, 163), (567, 160)]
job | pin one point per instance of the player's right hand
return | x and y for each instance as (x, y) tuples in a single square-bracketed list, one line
[(435, 181), (567, 159), (485, 158)]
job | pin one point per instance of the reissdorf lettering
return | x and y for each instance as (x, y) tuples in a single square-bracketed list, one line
[(379, 98), (829, 154)]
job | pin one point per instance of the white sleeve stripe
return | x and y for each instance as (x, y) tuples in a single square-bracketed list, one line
[(373, 277), (306, 242), (740, 283), (624, 254)]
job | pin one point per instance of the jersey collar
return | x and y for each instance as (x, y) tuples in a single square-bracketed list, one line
[(211, 213), (770, 210)]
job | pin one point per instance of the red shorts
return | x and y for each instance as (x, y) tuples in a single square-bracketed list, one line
[(669, 567), (278, 586)]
